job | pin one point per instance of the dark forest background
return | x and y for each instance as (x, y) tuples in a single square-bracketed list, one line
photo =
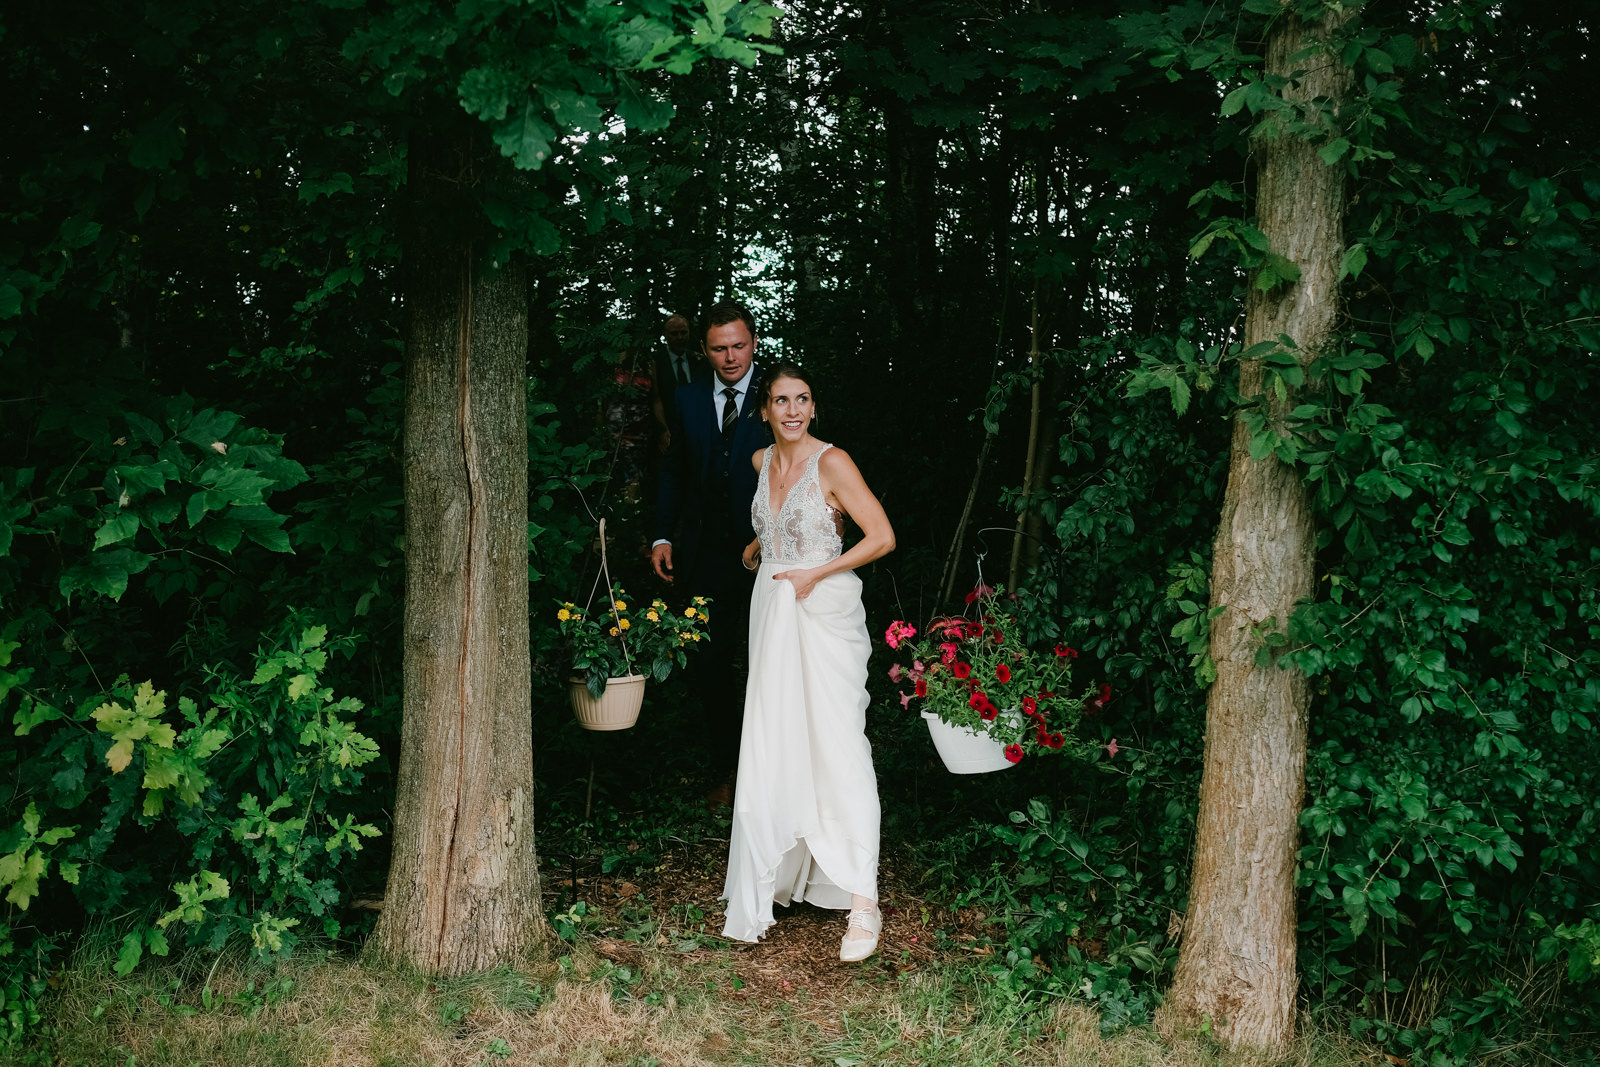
[(981, 226)]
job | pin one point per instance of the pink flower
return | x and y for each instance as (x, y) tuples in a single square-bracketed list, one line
[(980, 591), (894, 674), (905, 701), (917, 670), (1003, 673), (1112, 749), (1014, 753), (947, 652), (899, 631)]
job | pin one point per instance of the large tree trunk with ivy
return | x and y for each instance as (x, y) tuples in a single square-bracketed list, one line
[(463, 892), (1237, 963)]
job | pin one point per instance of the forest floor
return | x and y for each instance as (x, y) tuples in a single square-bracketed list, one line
[(639, 980)]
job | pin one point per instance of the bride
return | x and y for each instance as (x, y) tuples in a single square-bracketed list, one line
[(805, 813)]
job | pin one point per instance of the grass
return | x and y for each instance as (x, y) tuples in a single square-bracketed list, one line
[(660, 1007)]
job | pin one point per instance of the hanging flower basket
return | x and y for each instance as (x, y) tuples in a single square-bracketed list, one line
[(989, 699), (615, 648), (964, 750), (615, 709)]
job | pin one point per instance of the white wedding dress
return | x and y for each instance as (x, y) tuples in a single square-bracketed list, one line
[(805, 814)]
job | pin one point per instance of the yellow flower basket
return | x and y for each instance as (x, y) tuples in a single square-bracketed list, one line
[(616, 709)]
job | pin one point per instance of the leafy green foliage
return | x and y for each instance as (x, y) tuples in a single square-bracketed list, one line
[(246, 792)]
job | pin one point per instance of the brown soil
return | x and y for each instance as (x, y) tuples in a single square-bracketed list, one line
[(798, 960)]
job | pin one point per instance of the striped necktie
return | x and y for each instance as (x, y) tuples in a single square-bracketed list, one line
[(730, 409)]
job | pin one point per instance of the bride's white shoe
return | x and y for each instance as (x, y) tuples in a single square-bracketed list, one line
[(854, 950)]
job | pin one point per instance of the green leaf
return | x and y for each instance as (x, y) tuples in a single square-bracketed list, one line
[(313, 188), (1333, 151), (119, 527), (1353, 262), (128, 957)]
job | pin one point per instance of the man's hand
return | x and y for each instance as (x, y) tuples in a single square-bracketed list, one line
[(661, 560), (663, 441), (752, 555)]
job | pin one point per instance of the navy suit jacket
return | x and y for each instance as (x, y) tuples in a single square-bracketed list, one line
[(666, 381), (707, 484)]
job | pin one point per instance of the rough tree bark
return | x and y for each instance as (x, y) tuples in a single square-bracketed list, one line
[(463, 891), (1237, 963)]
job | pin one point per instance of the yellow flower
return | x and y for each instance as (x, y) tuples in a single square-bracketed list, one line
[(620, 606), (652, 616), (699, 600), (695, 636), (703, 616), (688, 613), (624, 624), (613, 631), (563, 614)]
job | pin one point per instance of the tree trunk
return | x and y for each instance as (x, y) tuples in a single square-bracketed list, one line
[(463, 892), (1237, 964)]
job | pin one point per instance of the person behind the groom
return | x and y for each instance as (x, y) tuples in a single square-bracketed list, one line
[(703, 520)]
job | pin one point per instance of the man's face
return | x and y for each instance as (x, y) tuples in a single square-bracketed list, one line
[(729, 349), (676, 333)]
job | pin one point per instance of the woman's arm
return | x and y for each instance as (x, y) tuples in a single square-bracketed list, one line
[(845, 489)]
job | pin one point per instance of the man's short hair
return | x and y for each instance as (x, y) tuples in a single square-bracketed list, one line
[(727, 311)]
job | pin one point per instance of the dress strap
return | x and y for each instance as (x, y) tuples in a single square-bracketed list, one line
[(811, 464)]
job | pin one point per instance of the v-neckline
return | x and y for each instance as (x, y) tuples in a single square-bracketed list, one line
[(771, 453)]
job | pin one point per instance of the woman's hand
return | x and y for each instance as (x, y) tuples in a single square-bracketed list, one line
[(752, 555), (803, 581)]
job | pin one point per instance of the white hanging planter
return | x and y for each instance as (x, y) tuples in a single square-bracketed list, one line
[(617, 708), (964, 750)]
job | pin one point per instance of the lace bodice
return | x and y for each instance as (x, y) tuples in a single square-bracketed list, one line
[(806, 529)]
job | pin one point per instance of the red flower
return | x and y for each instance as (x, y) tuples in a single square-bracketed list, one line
[(1046, 694), (988, 712), (1042, 735), (979, 591), (974, 629), (1014, 753), (998, 637), (1056, 741), (1101, 702), (922, 688), (947, 652), (1002, 672), (1029, 707), (1064, 651), (977, 700), (961, 670)]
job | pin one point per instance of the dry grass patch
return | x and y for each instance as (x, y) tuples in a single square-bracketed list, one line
[(669, 1010)]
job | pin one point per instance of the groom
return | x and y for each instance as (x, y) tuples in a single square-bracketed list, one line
[(703, 519)]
